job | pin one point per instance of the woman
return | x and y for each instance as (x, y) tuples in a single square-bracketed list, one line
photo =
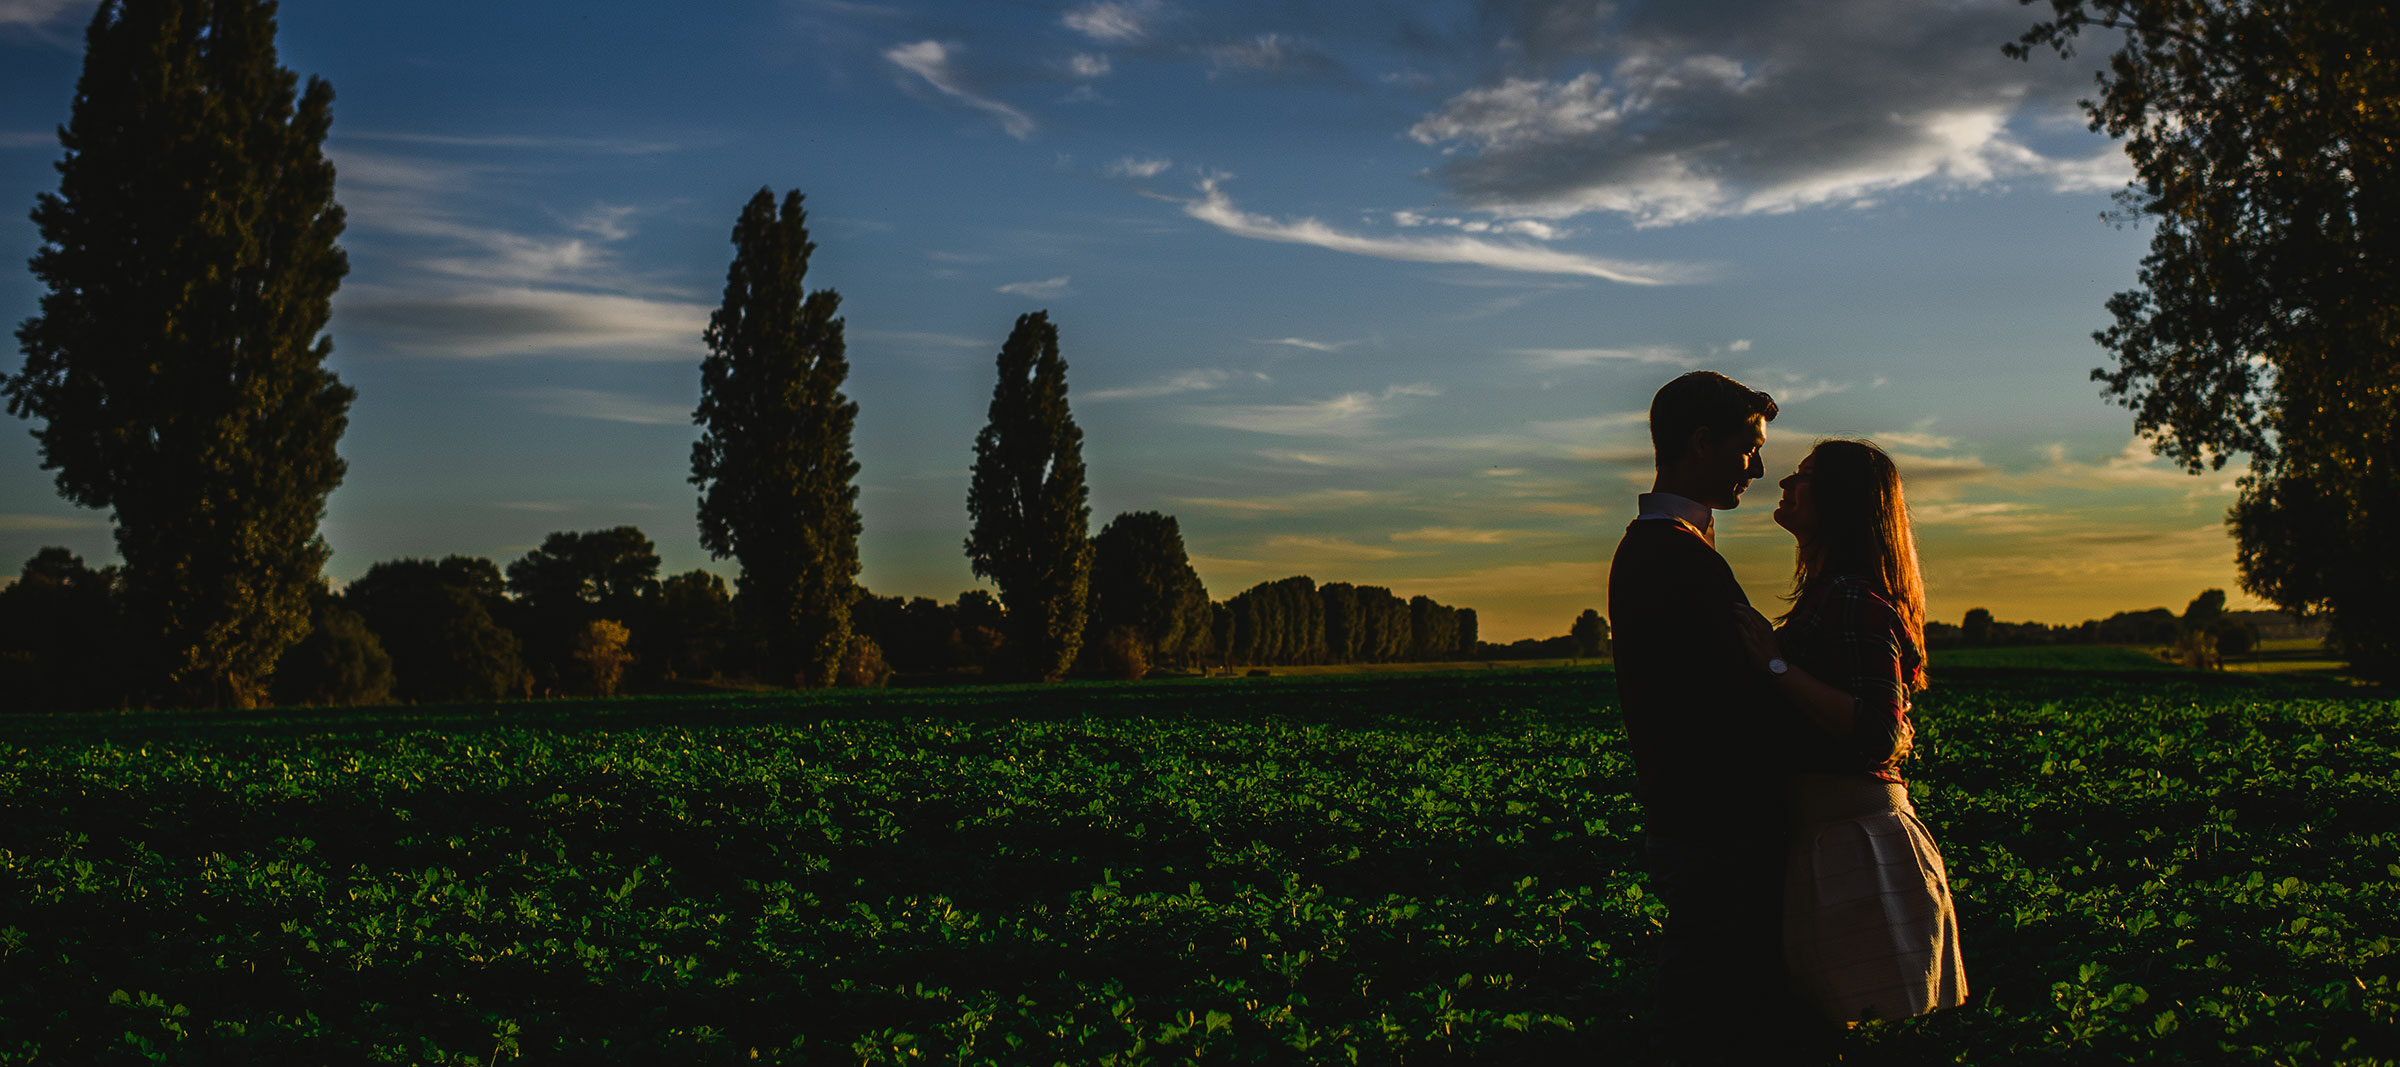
[(1869, 932)]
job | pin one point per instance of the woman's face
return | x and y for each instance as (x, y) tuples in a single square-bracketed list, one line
[(1797, 509)]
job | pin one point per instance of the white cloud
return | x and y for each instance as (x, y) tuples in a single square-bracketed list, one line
[(1198, 381), (610, 407), (1115, 21), (1667, 355), (930, 60), (1534, 228), (1302, 342), (1349, 414), (1088, 65), (1739, 345), (517, 320), (1217, 209), (1129, 167), (1040, 290), (1668, 113)]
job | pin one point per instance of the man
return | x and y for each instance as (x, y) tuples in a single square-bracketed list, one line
[(1704, 724)]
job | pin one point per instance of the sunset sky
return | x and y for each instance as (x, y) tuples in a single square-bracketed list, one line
[(1372, 292)]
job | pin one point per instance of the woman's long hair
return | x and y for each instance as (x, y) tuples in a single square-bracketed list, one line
[(1862, 530)]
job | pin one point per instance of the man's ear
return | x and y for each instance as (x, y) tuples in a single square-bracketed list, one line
[(1703, 441)]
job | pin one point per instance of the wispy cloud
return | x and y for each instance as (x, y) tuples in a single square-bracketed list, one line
[(1198, 381), (1789, 388), (1349, 414), (36, 13), (1300, 548), (1302, 342), (1286, 503), (1217, 209), (40, 523), (1088, 65), (1129, 167), (1455, 535), (1273, 55), (610, 407), (1534, 228), (931, 61), (1668, 355), (1041, 290), (921, 339), (1115, 21), (516, 321), (610, 145)]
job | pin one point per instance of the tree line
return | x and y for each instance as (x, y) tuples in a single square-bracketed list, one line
[(2204, 630)]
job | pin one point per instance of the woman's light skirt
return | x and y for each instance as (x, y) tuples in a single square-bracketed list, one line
[(1869, 931)]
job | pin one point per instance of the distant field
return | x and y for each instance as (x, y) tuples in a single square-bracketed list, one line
[(2051, 658), (2159, 866)]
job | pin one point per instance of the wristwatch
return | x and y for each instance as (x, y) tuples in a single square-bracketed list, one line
[(1777, 666)]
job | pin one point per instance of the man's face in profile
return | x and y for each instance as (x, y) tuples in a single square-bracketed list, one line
[(1731, 462)]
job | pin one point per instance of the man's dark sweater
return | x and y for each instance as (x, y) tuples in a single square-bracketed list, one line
[(1704, 724)]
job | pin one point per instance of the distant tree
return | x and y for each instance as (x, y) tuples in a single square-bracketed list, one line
[(1976, 628), (1339, 602), (1470, 634), (601, 654), (914, 634), (340, 663), (2205, 611), (1432, 629), (862, 664), (1590, 633), (59, 646), (442, 639), (1143, 582), (982, 627), (690, 629), (2265, 140), (1029, 529), (177, 362), (572, 580), (773, 460)]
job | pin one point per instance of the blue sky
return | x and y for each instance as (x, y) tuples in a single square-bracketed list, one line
[(1371, 292)]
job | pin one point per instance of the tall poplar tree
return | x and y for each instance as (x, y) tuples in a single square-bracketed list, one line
[(177, 363), (1025, 503), (773, 461)]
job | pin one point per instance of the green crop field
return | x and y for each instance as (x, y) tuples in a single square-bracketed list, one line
[(2150, 866)]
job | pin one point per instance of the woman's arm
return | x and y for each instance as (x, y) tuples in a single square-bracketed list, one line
[(1833, 710)]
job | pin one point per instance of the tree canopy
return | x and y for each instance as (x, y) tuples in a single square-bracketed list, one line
[(773, 461), (1029, 527), (2265, 140), (177, 361)]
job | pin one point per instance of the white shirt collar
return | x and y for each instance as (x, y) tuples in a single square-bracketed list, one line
[(1671, 506)]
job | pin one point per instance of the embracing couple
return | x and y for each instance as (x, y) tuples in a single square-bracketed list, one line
[(1802, 892)]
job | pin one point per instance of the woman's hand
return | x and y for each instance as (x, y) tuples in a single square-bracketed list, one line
[(1758, 635)]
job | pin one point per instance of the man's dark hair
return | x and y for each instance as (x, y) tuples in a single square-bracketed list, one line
[(1701, 398)]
